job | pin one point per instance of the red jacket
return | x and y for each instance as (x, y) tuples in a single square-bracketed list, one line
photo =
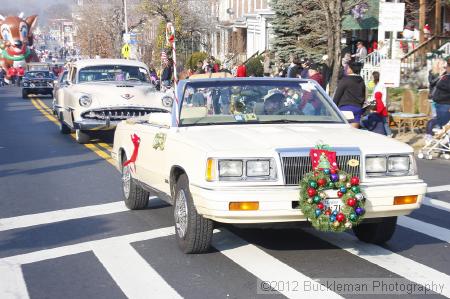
[(241, 71), (21, 72), (380, 108), (12, 71)]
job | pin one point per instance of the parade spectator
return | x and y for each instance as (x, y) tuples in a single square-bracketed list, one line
[(20, 74), (304, 73), (12, 73), (206, 66), (215, 65), (313, 74), (293, 70), (166, 76), (241, 70), (2, 77), (267, 65), (325, 70), (350, 93), (441, 97), (282, 69), (345, 62), (199, 68), (361, 52)]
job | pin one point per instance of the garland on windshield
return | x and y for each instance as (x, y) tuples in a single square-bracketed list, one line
[(315, 189)]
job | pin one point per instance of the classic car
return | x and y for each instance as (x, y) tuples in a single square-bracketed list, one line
[(99, 93), (37, 82), (234, 151)]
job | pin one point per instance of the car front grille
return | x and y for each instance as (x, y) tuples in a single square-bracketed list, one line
[(34, 84), (117, 114), (297, 163)]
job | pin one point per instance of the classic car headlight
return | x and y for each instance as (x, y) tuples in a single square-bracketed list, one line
[(257, 169), (85, 101), (25, 84), (392, 165), (167, 101)]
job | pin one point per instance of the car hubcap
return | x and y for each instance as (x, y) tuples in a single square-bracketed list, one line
[(126, 180), (181, 214)]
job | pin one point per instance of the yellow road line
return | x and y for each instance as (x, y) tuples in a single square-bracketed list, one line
[(52, 118)]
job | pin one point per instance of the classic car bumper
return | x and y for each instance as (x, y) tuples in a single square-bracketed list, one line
[(277, 203), (94, 125), (38, 89)]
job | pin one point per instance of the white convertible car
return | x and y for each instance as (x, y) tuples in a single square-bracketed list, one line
[(99, 93), (235, 150)]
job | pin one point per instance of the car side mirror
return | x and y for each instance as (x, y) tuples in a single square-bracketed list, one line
[(348, 115)]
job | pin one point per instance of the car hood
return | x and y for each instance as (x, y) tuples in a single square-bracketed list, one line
[(235, 139), (106, 94)]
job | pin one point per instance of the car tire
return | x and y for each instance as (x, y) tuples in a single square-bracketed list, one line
[(63, 128), (24, 94), (135, 197), (378, 232), (82, 137), (193, 232)]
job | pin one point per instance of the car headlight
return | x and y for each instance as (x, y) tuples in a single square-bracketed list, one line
[(25, 84), (167, 101), (391, 165), (257, 169), (230, 168), (85, 101)]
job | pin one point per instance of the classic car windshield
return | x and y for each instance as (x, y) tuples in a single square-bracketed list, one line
[(113, 73), (38, 75), (256, 101)]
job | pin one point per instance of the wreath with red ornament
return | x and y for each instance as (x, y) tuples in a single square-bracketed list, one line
[(330, 199)]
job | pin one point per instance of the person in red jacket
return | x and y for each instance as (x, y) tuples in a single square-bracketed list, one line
[(241, 70), (12, 74), (20, 74), (380, 97)]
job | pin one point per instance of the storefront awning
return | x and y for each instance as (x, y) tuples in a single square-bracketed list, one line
[(363, 16)]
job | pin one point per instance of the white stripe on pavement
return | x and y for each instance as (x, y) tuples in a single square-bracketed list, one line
[(12, 283), (52, 253), (438, 188), (61, 215), (393, 262), (428, 229), (438, 204), (135, 277), (266, 267)]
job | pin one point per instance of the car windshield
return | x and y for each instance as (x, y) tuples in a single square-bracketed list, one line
[(113, 73), (263, 101), (38, 75)]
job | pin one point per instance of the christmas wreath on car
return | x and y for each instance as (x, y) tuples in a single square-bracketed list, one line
[(330, 199)]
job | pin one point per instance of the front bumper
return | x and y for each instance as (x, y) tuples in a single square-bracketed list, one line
[(276, 202), (38, 89), (95, 125)]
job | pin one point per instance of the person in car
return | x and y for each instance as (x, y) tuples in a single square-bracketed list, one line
[(274, 103)]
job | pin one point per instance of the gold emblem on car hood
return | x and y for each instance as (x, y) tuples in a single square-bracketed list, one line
[(353, 163)]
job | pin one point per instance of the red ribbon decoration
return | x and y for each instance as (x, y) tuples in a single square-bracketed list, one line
[(136, 141)]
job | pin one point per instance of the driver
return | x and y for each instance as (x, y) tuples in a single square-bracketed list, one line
[(274, 103)]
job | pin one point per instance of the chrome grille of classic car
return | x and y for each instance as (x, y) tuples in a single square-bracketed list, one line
[(40, 83), (116, 114), (296, 163)]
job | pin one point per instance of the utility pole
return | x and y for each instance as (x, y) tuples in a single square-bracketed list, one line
[(125, 15)]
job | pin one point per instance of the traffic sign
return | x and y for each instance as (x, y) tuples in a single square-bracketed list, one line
[(126, 51)]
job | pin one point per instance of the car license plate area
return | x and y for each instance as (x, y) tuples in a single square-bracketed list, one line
[(333, 204)]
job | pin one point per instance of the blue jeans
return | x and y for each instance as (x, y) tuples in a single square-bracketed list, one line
[(442, 114)]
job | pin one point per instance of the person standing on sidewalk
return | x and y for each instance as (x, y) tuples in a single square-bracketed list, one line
[(361, 52), (20, 74), (441, 97), (350, 93)]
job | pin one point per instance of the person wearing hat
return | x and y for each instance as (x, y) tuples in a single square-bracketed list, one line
[(361, 52)]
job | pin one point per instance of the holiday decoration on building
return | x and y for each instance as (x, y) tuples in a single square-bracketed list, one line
[(318, 202), (16, 42)]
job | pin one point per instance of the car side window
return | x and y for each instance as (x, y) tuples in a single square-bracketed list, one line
[(74, 75)]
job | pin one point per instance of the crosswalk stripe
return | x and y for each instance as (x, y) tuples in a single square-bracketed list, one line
[(431, 230), (61, 215), (393, 262), (438, 204), (135, 277), (265, 266), (438, 188), (12, 283)]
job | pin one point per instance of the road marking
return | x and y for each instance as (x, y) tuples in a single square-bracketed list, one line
[(393, 262), (12, 282), (438, 204), (438, 188), (97, 150), (62, 251), (428, 229), (61, 215), (265, 266), (132, 273)]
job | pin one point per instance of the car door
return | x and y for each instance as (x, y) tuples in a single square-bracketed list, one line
[(59, 92), (67, 100)]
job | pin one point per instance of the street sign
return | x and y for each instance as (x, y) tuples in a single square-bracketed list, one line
[(390, 72), (126, 51), (392, 16), (126, 38)]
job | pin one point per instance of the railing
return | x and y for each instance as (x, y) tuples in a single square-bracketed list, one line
[(374, 58)]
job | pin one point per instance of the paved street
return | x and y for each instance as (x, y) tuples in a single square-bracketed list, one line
[(64, 232)]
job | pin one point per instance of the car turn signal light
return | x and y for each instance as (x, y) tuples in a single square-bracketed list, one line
[(244, 206), (210, 170), (405, 200)]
